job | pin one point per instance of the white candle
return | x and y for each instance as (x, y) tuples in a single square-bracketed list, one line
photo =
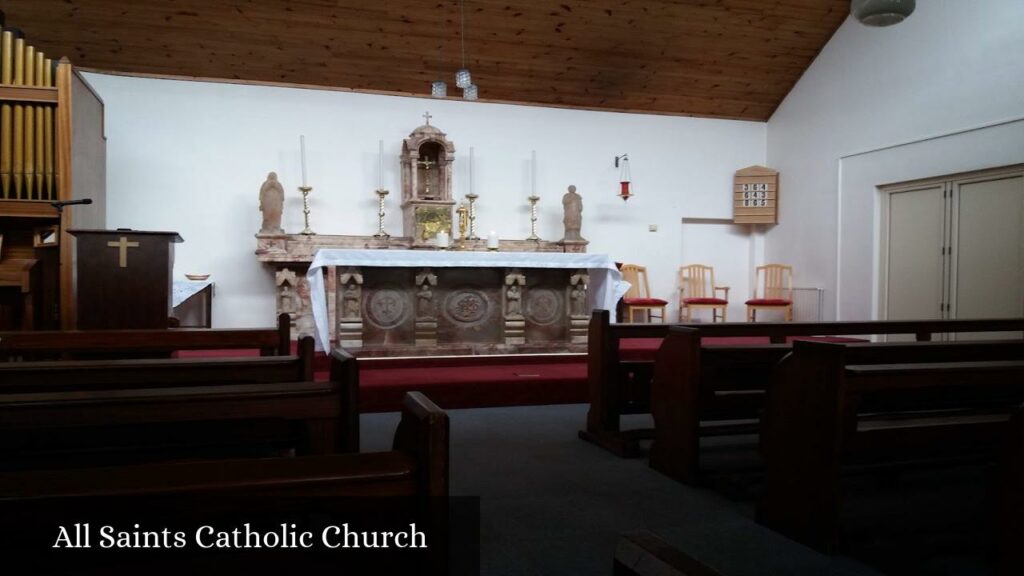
[(492, 240), (380, 165), (533, 172), (442, 239), (302, 152), (470, 169)]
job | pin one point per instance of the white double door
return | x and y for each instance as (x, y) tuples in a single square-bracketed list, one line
[(954, 248)]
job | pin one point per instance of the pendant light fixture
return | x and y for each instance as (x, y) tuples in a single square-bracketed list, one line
[(439, 88), (881, 12), (463, 79)]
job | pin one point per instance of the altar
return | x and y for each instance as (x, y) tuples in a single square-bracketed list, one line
[(398, 302), (438, 288)]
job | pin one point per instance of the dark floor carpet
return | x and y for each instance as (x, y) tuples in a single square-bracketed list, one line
[(553, 504)]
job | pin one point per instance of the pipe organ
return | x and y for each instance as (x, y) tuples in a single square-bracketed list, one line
[(52, 149)]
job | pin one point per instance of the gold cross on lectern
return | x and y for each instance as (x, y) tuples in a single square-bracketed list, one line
[(124, 245)]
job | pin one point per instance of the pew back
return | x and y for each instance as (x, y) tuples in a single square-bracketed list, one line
[(830, 407), (617, 387), (121, 343)]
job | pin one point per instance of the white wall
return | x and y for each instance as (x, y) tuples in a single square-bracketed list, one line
[(190, 157), (935, 95)]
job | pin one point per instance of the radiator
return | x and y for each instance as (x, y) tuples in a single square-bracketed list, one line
[(807, 304)]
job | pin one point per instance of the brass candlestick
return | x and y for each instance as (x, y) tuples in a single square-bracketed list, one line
[(533, 217), (305, 208), (381, 193), (463, 213), (472, 216)]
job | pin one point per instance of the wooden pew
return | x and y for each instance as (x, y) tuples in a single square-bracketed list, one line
[(701, 390), (1010, 503), (225, 493), (643, 553), (114, 343), (826, 413), (57, 375), (178, 414), (618, 387)]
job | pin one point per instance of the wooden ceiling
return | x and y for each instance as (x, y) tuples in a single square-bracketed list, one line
[(715, 58)]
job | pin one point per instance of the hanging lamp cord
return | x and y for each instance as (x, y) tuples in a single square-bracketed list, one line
[(462, 29)]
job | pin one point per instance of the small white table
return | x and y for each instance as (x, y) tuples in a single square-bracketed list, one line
[(188, 296)]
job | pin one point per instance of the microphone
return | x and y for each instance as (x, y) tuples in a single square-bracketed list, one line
[(60, 204)]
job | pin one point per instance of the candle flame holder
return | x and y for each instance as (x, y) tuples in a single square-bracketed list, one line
[(533, 217), (472, 216), (381, 193), (305, 208)]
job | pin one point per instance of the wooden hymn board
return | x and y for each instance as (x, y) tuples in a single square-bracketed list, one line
[(755, 196)]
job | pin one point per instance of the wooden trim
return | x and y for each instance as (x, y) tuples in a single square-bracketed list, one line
[(424, 95), (46, 95), (707, 220), (63, 124), (27, 209)]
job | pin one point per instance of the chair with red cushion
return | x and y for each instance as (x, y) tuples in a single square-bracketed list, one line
[(773, 290), (697, 290), (638, 297)]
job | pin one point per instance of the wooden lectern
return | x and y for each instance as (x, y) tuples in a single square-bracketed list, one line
[(124, 278)]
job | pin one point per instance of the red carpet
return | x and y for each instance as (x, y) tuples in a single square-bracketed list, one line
[(480, 381)]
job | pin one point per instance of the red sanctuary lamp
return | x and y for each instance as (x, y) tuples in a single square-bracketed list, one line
[(622, 163)]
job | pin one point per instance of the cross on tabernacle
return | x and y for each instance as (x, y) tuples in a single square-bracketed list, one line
[(427, 117), (426, 163), (123, 244)]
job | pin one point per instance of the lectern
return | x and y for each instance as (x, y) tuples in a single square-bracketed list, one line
[(124, 278)]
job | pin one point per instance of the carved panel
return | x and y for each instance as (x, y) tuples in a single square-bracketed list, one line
[(543, 306), (387, 307), (470, 301), (466, 306)]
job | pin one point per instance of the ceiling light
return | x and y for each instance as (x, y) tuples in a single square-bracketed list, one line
[(881, 12)]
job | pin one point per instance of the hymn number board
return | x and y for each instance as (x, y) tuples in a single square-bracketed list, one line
[(756, 196)]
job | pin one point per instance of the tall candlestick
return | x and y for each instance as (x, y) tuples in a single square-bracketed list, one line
[(533, 172), (470, 169), (380, 164), (302, 151)]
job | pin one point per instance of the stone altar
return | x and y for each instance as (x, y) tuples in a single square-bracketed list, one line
[(435, 302), (290, 255)]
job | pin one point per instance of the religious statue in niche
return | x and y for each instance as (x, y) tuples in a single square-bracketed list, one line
[(578, 294), (513, 299), (271, 205), (426, 167), (286, 301), (351, 293), (425, 297), (572, 204), (350, 299)]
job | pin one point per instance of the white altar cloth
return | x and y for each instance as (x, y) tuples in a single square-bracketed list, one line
[(604, 290)]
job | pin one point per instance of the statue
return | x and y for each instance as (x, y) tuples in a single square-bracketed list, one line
[(271, 205), (286, 303), (512, 296), (572, 203), (426, 297), (350, 308), (578, 300)]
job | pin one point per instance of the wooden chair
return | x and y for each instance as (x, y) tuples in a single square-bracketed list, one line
[(773, 290), (697, 290), (639, 295)]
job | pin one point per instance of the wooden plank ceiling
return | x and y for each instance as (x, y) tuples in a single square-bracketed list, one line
[(715, 58)]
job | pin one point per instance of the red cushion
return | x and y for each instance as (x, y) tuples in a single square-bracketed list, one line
[(769, 302), (704, 301), (645, 302)]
